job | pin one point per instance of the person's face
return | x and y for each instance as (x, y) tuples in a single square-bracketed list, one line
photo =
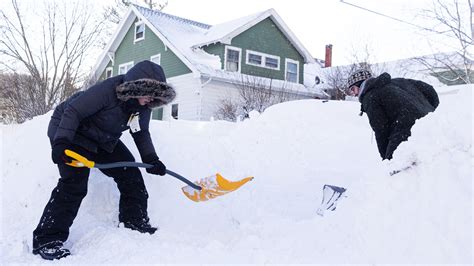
[(354, 90), (145, 100)]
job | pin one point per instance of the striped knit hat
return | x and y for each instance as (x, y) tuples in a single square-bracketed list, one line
[(358, 76)]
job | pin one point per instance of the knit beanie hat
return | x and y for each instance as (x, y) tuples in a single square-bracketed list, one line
[(357, 77)]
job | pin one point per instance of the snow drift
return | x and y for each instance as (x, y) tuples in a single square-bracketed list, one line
[(421, 215)]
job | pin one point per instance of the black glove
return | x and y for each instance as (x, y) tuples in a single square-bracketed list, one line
[(158, 167), (57, 153)]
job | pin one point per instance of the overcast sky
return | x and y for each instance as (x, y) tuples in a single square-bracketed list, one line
[(321, 22)]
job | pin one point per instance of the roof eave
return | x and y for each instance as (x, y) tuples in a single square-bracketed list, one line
[(216, 78)]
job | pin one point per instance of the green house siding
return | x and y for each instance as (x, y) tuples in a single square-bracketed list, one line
[(265, 37), (143, 50), (453, 77)]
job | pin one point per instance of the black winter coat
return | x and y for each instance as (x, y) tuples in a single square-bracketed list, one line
[(96, 118), (393, 106)]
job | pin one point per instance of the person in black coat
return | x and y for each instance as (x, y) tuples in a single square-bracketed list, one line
[(91, 123), (392, 105)]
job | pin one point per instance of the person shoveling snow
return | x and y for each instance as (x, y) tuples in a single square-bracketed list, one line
[(91, 122)]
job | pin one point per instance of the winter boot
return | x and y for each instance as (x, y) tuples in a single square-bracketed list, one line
[(142, 226), (52, 251)]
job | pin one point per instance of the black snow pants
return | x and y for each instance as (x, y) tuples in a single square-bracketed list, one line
[(66, 198)]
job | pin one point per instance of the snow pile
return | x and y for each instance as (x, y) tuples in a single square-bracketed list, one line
[(420, 215)]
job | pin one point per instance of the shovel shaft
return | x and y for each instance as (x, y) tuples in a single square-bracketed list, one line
[(182, 178), (81, 161), (122, 164), (146, 165)]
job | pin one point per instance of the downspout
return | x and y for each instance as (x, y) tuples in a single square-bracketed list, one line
[(199, 92)]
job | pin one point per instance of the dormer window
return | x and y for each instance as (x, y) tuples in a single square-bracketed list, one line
[(139, 31)]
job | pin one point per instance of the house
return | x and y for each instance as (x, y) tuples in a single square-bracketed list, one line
[(204, 62)]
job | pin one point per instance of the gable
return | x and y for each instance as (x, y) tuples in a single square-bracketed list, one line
[(131, 51), (267, 38)]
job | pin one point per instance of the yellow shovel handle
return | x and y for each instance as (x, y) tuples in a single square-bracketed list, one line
[(80, 161)]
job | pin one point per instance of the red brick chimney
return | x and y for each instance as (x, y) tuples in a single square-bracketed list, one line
[(328, 58)]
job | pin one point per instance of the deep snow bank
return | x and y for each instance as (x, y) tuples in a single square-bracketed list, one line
[(422, 215)]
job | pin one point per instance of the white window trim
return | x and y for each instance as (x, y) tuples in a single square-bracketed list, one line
[(156, 56), (240, 56), (264, 56), (124, 65), (287, 60), (111, 69), (135, 35), (273, 57)]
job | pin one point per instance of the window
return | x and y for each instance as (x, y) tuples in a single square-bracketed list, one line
[(291, 74), (156, 59), (157, 114), (272, 62), (232, 59), (139, 31), (263, 60), (123, 68), (174, 111), (255, 59), (109, 72)]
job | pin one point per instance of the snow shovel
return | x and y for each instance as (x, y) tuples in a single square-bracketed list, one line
[(331, 196), (205, 189)]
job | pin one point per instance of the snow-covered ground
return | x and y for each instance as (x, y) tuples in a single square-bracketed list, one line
[(422, 215)]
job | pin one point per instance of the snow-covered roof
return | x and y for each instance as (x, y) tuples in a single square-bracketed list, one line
[(236, 77), (221, 32), (180, 33), (187, 37)]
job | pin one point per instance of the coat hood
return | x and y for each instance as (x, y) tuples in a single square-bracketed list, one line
[(373, 83), (146, 79), (145, 70)]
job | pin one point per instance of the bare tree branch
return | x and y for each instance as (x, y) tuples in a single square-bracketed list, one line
[(62, 38), (254, 94), (452, 19)]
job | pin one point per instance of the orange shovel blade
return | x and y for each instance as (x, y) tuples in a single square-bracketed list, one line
[(213, 186)]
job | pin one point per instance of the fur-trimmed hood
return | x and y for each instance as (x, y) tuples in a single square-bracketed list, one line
[(146, 79), (373, 83), (161, 92)]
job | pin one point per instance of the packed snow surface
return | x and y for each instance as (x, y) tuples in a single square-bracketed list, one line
[(420, 215)]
